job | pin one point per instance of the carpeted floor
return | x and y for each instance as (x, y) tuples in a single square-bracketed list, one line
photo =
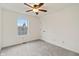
[(36, 48)]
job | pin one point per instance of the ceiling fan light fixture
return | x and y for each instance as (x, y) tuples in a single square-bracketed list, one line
[(35, 10)]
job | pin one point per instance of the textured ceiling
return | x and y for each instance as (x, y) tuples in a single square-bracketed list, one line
[(20, 7)]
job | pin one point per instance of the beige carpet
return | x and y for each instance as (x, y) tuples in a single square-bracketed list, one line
[(36, 48)]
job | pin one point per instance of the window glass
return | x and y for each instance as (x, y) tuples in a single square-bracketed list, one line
[(22, 24)]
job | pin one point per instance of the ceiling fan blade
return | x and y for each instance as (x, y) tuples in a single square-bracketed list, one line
[(36, 13), (28, 10), (41, 4), (42, 10), (28, 5)]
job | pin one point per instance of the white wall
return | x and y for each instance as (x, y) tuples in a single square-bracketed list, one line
[(0, 29), (62, 28), (10, 28)]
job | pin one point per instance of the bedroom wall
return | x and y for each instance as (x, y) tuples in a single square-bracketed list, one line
[(62, 28), (10, 36), (0, 29)]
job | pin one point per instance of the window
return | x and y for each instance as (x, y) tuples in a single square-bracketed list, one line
[(22, 24)]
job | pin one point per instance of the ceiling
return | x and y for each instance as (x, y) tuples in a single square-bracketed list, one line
[(20, 7)]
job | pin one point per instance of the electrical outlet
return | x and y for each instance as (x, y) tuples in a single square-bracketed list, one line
[(44, 31)]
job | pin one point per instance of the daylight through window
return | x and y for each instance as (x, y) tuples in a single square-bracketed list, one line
[(22, 24)]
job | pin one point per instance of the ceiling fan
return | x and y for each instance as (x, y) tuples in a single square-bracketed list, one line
[(36, 8)]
